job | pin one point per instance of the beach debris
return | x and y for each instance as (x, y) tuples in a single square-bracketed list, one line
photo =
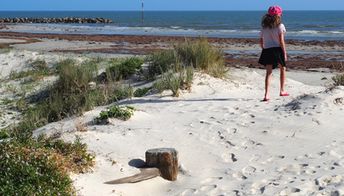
[(159, 162)]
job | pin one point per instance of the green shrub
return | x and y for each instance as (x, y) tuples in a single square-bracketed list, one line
[(160, 62), (41, 167), (4, 134), (123, 70), (122, 113), (140, 92), (338, 80)]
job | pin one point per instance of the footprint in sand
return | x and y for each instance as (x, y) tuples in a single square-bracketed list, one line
[(210, 180), (248, 171), (250, 143), (229, 158), (290, 191), (328, 180), (255, 158), (292, 169), (259, 187), (188, 192), (239, 176), (208, 188)]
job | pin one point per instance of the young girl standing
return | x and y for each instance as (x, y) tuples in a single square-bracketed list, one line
[(274, 53)]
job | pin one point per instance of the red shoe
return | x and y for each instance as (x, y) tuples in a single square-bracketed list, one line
[(284, 94)]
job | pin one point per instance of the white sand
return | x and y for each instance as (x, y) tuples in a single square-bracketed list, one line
[(229, 142)]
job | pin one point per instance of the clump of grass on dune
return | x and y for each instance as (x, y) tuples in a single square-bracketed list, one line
[(119, 70), (175, 80), (338, 80), (160, 62), (176, 66), (202, 56)]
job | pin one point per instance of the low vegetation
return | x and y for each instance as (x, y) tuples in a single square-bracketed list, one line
[(140, 92), (160, 62), (338, 80), (119, 112), (202, 56), (119, 70), (176, 67), (41, 166), (175, 80), (199, 54)]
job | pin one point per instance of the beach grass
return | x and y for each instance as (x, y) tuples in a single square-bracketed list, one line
[(199, 54), (338, 80), (70, 95), (119, 70), (46, 170), (176, 67), (160, 62)]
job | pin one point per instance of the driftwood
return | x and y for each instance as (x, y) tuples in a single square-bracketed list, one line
[(160, 162), (146, 174)]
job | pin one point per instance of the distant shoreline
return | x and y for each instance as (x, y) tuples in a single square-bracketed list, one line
[(244, 52)]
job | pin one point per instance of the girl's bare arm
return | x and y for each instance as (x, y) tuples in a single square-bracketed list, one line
[(283, 46), (261, 41)]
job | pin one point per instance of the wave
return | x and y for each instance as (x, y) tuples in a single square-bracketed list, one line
[(170, 30)]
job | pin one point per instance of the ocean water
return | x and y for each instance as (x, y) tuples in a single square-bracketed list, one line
[(305, 25)]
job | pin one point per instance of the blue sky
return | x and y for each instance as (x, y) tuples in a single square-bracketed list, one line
[(170, 4)]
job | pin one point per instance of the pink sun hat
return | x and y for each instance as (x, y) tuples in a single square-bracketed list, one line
[(275, 10)]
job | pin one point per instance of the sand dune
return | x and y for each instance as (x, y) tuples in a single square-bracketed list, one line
[(229, 142)]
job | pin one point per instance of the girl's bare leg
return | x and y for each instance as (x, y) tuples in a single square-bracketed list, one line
[(267, 81), (282, 81)]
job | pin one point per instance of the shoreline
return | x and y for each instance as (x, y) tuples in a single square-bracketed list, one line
[(238, 51)]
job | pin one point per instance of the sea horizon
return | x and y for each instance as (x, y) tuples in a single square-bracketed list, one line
[(301, 25)]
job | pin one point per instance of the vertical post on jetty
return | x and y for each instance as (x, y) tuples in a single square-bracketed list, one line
[(142, 11)]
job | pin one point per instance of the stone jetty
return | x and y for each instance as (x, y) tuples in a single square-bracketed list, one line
[(55, 20)]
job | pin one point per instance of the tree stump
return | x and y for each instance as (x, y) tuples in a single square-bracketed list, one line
[(166, 160)]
